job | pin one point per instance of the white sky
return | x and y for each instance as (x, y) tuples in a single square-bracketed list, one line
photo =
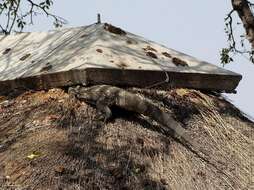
[(193, 27)]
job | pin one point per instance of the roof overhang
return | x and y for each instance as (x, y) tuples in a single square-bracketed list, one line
[(102, 54)]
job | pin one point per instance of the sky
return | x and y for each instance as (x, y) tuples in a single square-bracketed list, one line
[(192, 27)]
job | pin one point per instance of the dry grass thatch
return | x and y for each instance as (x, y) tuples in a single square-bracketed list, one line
[(51, 141)]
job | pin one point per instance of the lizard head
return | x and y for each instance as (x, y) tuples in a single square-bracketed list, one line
[(73, 90)]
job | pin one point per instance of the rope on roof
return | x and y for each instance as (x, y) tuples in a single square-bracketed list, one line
[(167, 80)]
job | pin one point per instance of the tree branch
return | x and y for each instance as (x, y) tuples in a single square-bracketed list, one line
[(231, 37), (243, 9), (14, 17), (11, 10), (58, 20)]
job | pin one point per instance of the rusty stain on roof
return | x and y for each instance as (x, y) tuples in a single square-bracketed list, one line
[(99, 50), (23, 58), (6, 51), (149, 48), (166, 54), (179, 62), (151, 54), (122, 65), (113, 29)]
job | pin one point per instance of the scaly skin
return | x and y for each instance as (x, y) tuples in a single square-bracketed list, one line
[(104, 96)]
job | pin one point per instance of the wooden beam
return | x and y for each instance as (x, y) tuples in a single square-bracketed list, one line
[(117, 77)]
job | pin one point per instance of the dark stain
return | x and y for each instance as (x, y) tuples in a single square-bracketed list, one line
[(122, 65), (83, 36), (25, 57), (129, 42), (166, 54), (111, 61), (113, 29), (99, 50), (179, 62), (151, 54), (149, 48), (6, 51), (47, 67)]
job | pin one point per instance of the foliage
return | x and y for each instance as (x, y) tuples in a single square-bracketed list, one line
[(19, 13), (225, 57)]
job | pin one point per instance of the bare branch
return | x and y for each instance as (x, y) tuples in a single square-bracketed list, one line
[(231, 37), (243, 9), (58, 20), (15, 18), (3, 30), (250, 3)]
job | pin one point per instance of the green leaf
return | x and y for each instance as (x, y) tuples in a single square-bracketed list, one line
[(225, 57)]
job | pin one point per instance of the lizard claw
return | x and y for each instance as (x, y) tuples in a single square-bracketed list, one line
[(104, 112)]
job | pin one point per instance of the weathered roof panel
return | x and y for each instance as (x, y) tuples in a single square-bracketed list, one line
[(105, 50)]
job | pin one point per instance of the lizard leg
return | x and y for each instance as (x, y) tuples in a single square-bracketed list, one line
[(104, 111)]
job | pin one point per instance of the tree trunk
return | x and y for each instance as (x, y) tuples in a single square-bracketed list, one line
[(243, 9)]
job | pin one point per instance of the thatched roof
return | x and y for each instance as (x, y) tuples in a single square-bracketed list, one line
[(48, 140)]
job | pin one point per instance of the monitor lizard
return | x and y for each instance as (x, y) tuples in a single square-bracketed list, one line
[(105, 96)]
